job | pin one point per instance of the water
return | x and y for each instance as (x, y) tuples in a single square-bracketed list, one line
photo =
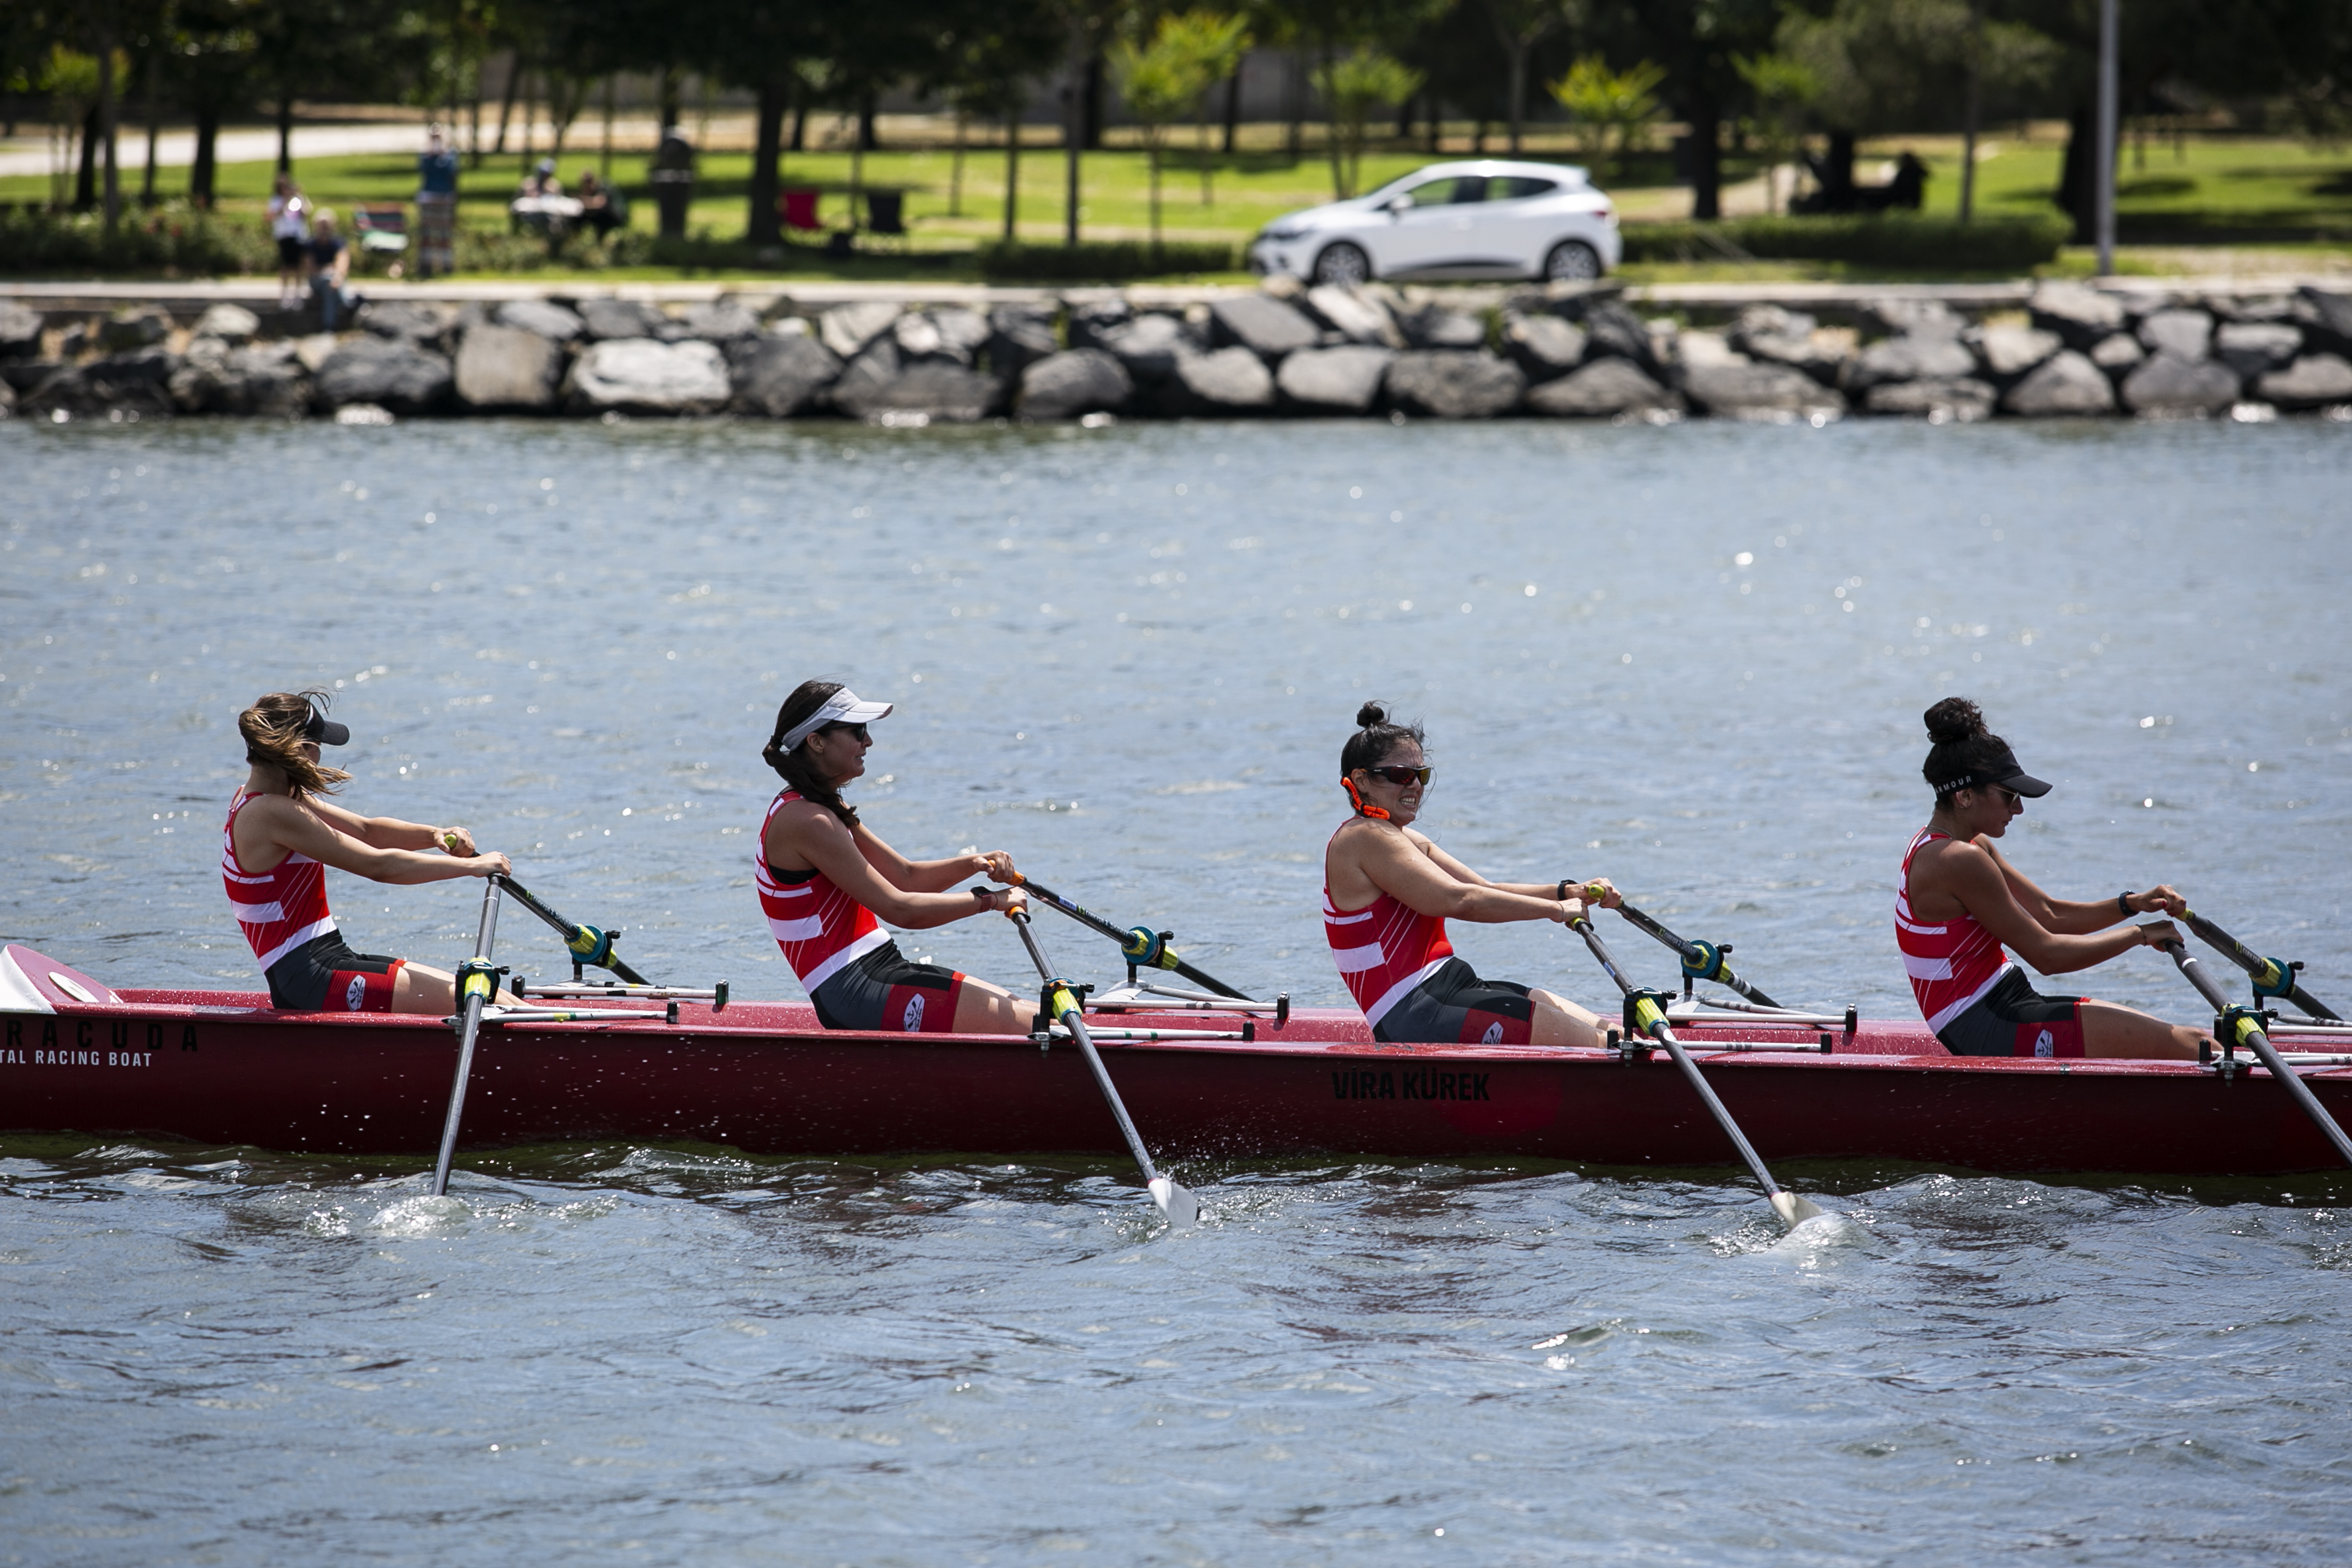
[(1138, 649)]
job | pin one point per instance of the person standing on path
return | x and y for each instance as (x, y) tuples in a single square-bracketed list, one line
[(289, 227), (436, 207)]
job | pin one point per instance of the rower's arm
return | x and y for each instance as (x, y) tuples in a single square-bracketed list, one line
[(930, 875), (1428, 881), (823, 840), (2064, 916), (301, 829), (1548, 891), (1975, 875), (382, 832)]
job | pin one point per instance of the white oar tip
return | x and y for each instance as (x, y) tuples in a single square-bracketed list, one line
[(1794, 1210), (1180, 1205)]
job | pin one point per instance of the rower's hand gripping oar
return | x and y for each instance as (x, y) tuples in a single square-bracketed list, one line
[(1701, 960), (2243, 1026), (2272, 976), (1180, 1205), (1643, 1017), (478, 986), (1142, 948), (588, 945)]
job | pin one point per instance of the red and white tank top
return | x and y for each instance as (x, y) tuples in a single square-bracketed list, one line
[(281, 909), (819, 927), (1950, 965), (1383, 950)]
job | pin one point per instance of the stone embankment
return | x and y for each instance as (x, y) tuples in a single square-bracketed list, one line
[(1585, 352)]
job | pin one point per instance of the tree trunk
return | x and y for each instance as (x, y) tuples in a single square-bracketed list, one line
[(107, 124), (955, 169), (286, 132), (1073, 109), (200, 171), (1972, 113), (1295, 103), (868, 142), (1012, 171), (800, 114), (154, 115), (671, 89), (1707, 157), (759, 226), (1331, 132), (507, 99), (1518, 93), (2077, 182), (1233, 111), (604, 162), (1091, 100), (1837, 174), (86, 177)]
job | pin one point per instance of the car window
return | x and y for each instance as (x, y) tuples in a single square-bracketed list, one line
[(1518, 187), (1451, 190)]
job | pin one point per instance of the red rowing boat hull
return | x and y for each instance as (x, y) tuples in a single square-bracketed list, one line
[(224, 1067)]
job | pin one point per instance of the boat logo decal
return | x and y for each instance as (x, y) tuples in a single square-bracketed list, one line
[(1420, 1083)]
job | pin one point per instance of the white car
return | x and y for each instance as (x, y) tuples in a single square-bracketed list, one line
[(1482, 218)]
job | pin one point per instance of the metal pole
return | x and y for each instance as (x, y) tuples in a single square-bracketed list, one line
[(2104, 219)]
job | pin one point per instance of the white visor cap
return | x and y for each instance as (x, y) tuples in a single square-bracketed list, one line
[(843, 706)]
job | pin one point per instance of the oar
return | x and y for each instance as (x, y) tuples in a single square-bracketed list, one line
[(477, 984), (1642, 1016), (2272, 976), (1701, 960), (1181, 1207), (588, 945), (1144, 948), (2245, 1025)]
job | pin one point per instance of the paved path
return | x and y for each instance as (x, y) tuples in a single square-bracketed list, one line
[(247, 144)]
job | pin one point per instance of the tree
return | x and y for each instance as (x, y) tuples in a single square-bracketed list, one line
[(1600, 101), (1353, 86), (1784, 89), (1214, 43), (1160, 80), (1519, 25), (1696, 41)]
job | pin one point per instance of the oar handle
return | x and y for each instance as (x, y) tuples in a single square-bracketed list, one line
[(2244, 1025)]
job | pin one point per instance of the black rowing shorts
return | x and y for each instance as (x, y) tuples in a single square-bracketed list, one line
[(886, 989), (1455, 1008), (324, 974), (2012, 1019)]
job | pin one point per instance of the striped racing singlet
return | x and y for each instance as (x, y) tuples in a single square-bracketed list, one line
[(1950, 965), (819, 927), (1383, 950), (280, 910)]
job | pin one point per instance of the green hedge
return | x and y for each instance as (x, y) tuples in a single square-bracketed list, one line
[(1105, 261), (175, 241), (1924, 244)]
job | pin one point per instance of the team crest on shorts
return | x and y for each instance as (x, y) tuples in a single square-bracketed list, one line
[(355, 995), (2045, 1044), (914, 1020), (1494, 1034)]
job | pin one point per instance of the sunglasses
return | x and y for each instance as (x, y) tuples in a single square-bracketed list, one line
[(856, 729), (1400, 775)]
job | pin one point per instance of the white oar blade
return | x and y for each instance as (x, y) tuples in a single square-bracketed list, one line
[(1180, 1205), (1794, 1210)]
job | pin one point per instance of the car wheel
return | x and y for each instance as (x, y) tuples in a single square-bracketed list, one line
[(1571, 261), (1342, 263)]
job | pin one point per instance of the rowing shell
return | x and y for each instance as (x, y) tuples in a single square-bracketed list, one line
[(225, 1067)]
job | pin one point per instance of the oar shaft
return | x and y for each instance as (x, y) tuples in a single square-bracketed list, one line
[(567, 930), (1691, 953), (2253, 1038), (2253, 963), (479, 989), (1094, 921), (1071, 1019)]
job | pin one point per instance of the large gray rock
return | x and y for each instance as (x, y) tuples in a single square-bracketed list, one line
[(607, 320), (963, 333), (2118, 354), (1916, 318), (1611, 328), (1963, 398), (134, 327), (229, 323), (265, 379), (1223, 381), (640, 375), (392, 373), (1440, 326), (1265, 325), (2169, 385), (2079, 314), (2183, 334), (2327, 319), (7, 400), (1018, 337), (1602, 390), (23, 374), (1355, 315), (507, 367), (882, 387), (1065, 386), (137, 382), (1545, 346), (720, 321), (1452, 384), (1757, 391), (1091, 322), (2066, 383), (1343, 379), (2256, 348), (20, 331), (2313, 381), (2010, 352), (781, 374), (545, 317), (422, 324), (1148, 345), (847, 328), (1912, 357)]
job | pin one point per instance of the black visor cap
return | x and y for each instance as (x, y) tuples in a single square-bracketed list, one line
[(327, 732), (2000, 769)]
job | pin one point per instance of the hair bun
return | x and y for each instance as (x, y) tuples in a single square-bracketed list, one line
[(1370, 714), (1953, 719)]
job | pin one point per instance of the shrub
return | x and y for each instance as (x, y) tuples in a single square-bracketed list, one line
[(1902, 240), (173, 241), (1104, 261)]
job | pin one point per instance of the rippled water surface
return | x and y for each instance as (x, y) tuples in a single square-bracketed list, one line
[(1693, 659)]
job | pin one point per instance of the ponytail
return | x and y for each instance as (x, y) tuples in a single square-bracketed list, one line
[(793, 767), (275, 729)]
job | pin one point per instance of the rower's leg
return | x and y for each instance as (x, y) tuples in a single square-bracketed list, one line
[(1560, 1022), (420, 988), (985, 1009), (2109, 1030)]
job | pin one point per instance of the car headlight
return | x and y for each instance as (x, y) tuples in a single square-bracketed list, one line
[(1282, 231)]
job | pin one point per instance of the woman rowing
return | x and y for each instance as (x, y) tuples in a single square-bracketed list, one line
[(1960, 900), (826, 880), (1387, 892), (282, 835)]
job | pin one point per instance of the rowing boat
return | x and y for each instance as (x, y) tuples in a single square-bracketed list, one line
[(221, 1067)]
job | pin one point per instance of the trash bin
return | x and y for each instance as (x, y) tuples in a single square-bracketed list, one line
[(799, 209), (672, 177)]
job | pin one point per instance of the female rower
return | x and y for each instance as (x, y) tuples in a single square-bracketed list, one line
[(1960, 900), (1387, 892), (283, 834), (824, 878)]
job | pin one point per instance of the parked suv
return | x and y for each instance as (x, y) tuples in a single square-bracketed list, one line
[(1485, 218)]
